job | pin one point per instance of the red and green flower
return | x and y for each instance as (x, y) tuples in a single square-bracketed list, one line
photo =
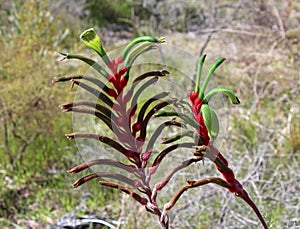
[(118, 107)]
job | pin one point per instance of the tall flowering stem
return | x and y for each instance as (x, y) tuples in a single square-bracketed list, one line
[(205, 133), (119, 108), (118, 105)]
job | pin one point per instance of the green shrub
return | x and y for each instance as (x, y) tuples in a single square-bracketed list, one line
[(105, 12), (30, 144)]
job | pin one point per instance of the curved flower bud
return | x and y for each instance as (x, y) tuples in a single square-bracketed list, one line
[(92, 40), (139, 40), (137, 51), (233, 98)]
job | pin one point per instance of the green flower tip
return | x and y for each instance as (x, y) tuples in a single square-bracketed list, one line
[(92, 40), (161, 39), (88, 35)]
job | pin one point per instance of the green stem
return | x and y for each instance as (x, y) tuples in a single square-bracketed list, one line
[(139, 40), (217, 63), (199, 71)]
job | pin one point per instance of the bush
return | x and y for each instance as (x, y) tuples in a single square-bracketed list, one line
[(28, 136), (105, 12)]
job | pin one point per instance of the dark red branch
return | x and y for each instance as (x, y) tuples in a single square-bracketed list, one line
[(161, 184), (116, 176), (95, 92), (103, 109), (158, 131), (150, 114), (138, 125), (107, 120), (131, 193), (117, 164), (150, 74), (126, 152), (141, 89), (193, 184), (169, 149)]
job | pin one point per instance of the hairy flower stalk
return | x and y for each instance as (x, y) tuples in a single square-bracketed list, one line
[(118, 106), (205, 133)]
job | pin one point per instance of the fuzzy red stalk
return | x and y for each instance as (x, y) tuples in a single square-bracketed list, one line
[(196, 106)]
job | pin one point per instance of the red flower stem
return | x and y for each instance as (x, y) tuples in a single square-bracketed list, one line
[(149, 74), (158, 131), (244, 196), (112, 175), (128, 191), (106, 140), (234, 185), (155, 109), (169, 149), (161, 184), (193, 184), (113, 163), (95, 92)]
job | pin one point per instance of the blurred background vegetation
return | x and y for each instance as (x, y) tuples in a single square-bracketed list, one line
[(261, 43)]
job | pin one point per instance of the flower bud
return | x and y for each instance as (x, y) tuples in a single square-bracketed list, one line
[(92, 40)]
